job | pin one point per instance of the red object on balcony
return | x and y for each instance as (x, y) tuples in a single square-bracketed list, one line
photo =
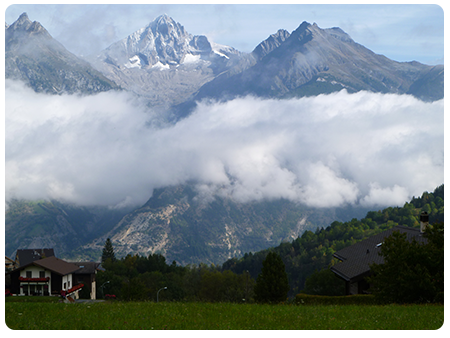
[(24, 279)]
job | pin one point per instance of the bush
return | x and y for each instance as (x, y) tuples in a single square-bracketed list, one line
[(324, 283)]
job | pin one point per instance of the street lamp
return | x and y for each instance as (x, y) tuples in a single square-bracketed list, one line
[(157, 294), (101, 287)]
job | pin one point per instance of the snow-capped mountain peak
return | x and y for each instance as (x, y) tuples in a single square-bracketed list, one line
[(162, 42)]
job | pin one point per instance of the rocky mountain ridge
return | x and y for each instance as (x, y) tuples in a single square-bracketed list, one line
[(312, 61), (172, 69), (34, 57)]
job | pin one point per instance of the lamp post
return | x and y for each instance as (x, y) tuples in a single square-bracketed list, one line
[(157, 294), (101, 287)]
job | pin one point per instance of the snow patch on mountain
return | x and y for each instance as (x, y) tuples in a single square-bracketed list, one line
[(134, 62), (160, 66), (189, 58)]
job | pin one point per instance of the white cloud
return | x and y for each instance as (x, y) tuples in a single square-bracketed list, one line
[(323, 151), (384, 196)]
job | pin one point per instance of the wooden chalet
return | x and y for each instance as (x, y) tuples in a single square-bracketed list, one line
[(47, 276), (356, 259)]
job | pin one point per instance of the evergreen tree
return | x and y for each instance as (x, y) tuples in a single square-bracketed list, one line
[(272, 284), (108, 251)]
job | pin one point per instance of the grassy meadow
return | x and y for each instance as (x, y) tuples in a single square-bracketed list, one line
[(218, 316)]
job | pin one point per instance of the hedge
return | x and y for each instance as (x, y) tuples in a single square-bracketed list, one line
[(304, 299)]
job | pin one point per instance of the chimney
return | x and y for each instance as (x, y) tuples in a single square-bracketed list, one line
[(423, 221)]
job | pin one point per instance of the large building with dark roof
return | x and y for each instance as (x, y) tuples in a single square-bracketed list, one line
[(356, 259), (26, 256)]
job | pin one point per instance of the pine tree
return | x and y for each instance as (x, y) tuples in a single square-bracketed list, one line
[(272, 284), (108, 251)]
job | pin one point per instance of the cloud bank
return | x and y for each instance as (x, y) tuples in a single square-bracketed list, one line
[(325, 151)]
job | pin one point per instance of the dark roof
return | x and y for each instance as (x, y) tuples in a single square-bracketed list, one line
[(356, 259), (56, 265), (26, 256), (86, 267)]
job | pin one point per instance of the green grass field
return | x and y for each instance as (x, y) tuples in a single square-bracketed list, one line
[(218, 316)]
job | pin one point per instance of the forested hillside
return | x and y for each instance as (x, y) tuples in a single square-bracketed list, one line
[(313, 250)]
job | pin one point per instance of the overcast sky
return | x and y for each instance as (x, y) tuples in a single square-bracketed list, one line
[(401, 32)]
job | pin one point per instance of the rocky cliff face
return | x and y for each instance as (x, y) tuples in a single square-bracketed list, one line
[(182, 227), (271, 43), (35, 58)]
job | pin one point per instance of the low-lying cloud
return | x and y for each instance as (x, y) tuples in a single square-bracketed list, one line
[(325, 151)]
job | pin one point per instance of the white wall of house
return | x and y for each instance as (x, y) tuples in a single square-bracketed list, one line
[(35, 273)]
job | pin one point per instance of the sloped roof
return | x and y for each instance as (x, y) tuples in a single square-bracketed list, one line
[(56, 265), (86, 267), (26, 256), (357, 258)]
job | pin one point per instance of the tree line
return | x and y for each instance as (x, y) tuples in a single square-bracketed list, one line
[(141, 278), (138, 278)]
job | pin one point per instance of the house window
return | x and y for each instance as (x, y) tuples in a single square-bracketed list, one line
[(28, 274), (64, 287), (41, 274)]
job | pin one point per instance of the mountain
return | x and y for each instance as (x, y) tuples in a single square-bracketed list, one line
[(173, 222), (172, 69), (165, 64), (52, 224), (182, 227), (34, 57), (313, 61)]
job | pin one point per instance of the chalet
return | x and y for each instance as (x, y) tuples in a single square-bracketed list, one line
[(356, 259), (47, 276)]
